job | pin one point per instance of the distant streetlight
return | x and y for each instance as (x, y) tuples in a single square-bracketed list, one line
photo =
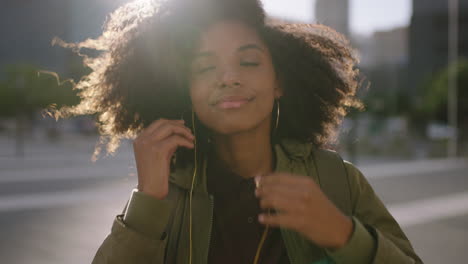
[(20, 118), (452, 76)]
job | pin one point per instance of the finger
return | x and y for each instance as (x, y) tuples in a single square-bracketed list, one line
[(297, 189), (169, 129), (299, 193), (286, 179), (173, 142), (155, 125), (277, 220), (286, 202)]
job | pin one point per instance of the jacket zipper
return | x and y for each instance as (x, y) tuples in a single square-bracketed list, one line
[(288, 251), (289, 257), (211, 227)]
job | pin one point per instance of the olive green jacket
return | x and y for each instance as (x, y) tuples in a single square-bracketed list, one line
[(153, 231)]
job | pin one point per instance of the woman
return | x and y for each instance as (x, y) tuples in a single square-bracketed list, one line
[(229, 113)]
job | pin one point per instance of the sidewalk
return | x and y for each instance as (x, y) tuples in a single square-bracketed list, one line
[(75, 151), (403, 168)]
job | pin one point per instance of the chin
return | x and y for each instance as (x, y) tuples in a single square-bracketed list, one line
[(232, 126)]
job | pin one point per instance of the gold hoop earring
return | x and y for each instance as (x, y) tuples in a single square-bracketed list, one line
[(277, 114)]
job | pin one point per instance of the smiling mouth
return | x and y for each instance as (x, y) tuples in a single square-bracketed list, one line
[(232, 102)]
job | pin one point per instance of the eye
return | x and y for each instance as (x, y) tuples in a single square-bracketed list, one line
[(249, 64), (205, 69)]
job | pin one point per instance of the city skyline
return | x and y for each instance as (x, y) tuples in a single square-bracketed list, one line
[(366, 16)]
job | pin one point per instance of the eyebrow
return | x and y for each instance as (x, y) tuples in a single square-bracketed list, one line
[(241, 48), (250, 46), (203, 54)]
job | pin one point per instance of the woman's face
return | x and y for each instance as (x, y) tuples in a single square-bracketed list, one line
[(232, 80)]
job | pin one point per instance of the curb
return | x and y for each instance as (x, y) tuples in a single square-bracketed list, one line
[(398, 169)]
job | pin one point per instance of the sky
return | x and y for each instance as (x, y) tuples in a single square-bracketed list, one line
[(366, 16)]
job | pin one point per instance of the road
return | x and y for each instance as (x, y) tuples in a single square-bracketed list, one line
[(56, 206)]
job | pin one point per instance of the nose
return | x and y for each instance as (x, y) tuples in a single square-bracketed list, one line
[(229, 78)]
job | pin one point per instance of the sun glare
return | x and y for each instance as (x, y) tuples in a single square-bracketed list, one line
[(147, 7)]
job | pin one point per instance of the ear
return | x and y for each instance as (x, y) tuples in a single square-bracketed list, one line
[(278, 90)]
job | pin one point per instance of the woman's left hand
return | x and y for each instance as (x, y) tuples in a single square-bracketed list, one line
[(302, 206)]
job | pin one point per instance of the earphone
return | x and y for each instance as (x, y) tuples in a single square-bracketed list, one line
[(193, 181)]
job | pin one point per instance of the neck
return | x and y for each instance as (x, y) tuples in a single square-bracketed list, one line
[(246, 154)]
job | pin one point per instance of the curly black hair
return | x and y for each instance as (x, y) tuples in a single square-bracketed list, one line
[(146, 48)]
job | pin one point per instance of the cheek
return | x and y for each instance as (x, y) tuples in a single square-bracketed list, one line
[(200, 96), (197, 95), (263, 105), (264, 82)]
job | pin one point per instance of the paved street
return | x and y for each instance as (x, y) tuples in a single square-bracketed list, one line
[(56, 206)]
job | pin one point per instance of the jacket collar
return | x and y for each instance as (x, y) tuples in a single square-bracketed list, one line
[(286, 151)]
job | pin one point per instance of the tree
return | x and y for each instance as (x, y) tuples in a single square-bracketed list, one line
[(435, 98), (26, 90)]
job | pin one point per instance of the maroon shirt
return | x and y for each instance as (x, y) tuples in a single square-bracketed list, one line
[(236, 231)]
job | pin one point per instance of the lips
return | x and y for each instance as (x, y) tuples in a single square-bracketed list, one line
[(233, 101)]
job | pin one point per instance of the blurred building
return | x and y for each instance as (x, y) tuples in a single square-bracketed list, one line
[(390, 47), (28, 27), (385, 60), (428, 39), (333, 13)]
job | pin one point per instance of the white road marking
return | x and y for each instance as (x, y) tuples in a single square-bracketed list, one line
[(412, 167), (428, 210), (407, 214), (96, 172), (126, 167), (21, 202)]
